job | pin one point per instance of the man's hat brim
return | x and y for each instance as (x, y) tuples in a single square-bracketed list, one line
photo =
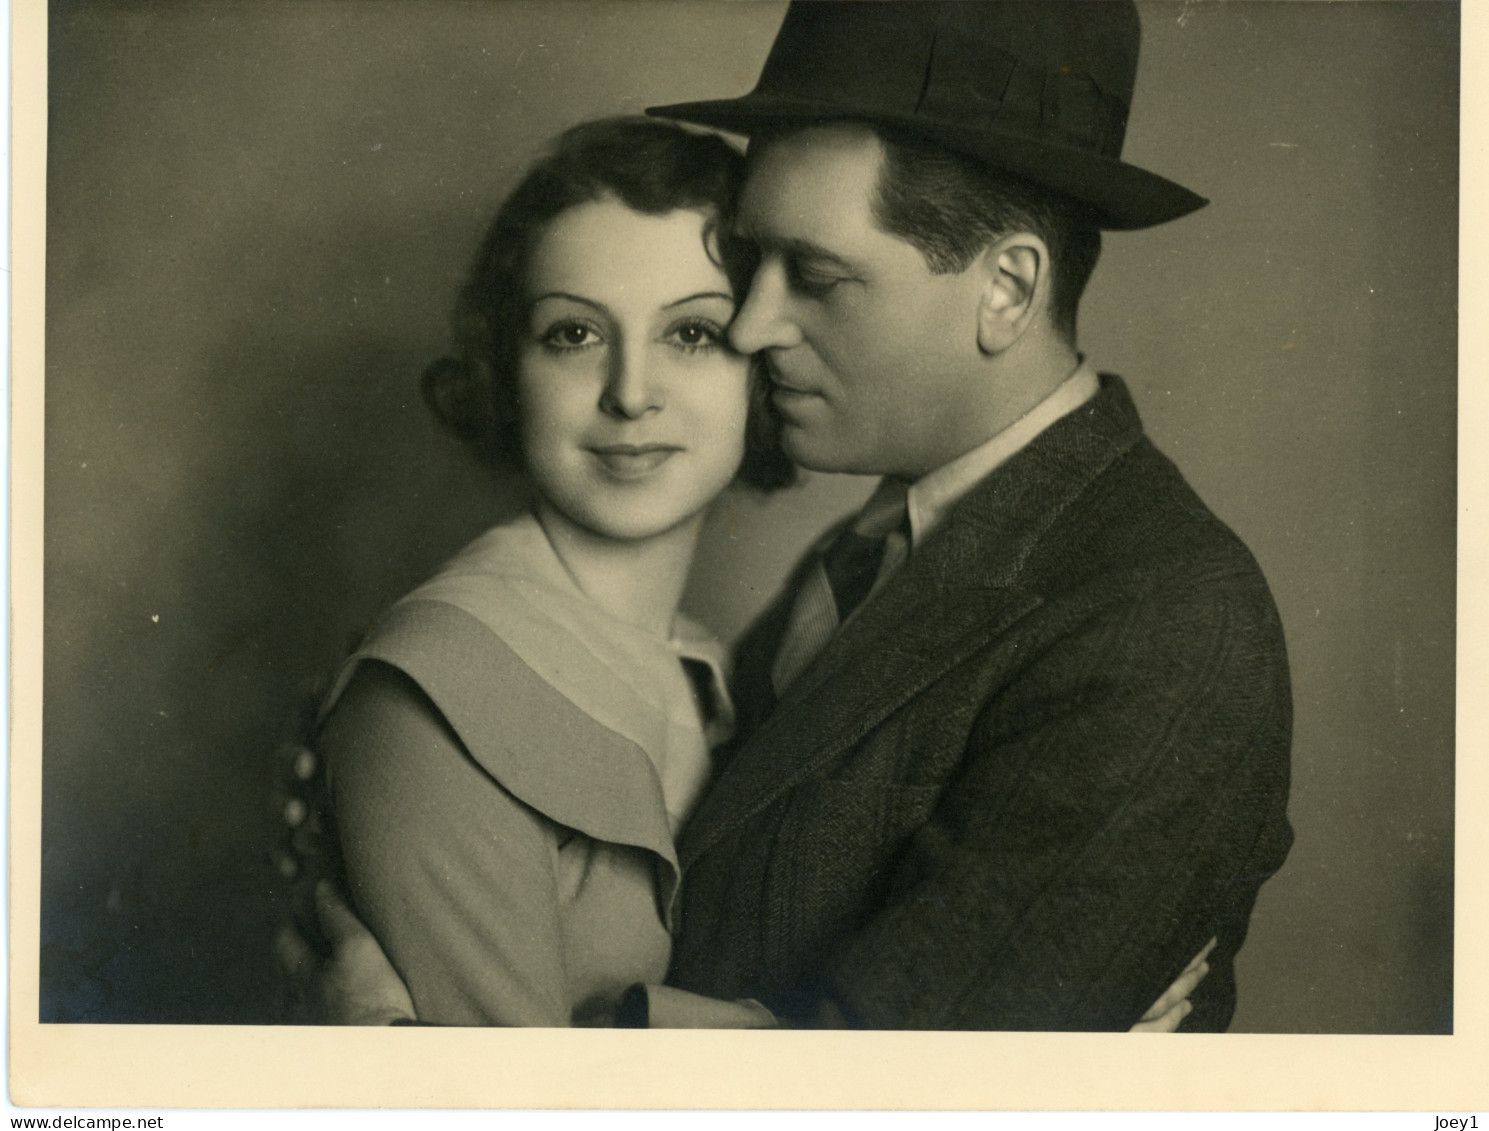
[(1122, 197)]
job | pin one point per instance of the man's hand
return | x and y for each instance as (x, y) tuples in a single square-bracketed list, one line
[(341, 977), (307, 848), (1169, 1010), (357, 985)]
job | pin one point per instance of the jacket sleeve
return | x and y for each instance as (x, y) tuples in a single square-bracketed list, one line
[(454, 875), (1118, 803)]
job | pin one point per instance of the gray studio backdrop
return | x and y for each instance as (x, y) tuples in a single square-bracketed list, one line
[(258, 214)]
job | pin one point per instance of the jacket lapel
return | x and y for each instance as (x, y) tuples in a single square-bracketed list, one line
[(958, 592)]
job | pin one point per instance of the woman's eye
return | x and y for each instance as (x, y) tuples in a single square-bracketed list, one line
[(570, 336), (697, 335)]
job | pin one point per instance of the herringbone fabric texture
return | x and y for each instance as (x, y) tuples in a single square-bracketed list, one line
[(1024, 784)]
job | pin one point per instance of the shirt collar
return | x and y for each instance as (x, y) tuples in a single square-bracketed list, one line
[(702, 649), (934, 494)]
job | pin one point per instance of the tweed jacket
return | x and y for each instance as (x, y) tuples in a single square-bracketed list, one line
[(1028, 780)]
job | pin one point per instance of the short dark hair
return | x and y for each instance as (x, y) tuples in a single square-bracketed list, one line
[(950, 207), (652, 167)]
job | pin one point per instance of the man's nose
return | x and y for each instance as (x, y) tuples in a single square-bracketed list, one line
[(631, 389), (763, 321)]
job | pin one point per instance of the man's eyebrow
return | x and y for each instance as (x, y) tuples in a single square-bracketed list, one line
[(701, 294), (794, 246)]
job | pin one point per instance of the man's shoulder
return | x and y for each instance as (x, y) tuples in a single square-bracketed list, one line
[(1142, 508), (1092, 492), (1140, 548)]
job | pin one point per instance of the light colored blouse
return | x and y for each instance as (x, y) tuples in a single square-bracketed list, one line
[(508, 794)]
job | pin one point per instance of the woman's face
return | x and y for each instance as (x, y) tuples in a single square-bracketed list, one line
[(633, 406)]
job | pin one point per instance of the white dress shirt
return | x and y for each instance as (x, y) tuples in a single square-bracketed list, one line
[(934, 493)]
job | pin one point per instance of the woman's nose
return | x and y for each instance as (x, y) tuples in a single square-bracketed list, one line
[(630, 390), (762, 321)]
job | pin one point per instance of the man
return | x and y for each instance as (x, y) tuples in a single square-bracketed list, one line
[(1015, 743), (1048, 757)]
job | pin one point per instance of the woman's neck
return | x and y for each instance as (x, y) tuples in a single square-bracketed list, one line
[(638, 582)]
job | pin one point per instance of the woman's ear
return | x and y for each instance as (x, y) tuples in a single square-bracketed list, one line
[(1015, 289)]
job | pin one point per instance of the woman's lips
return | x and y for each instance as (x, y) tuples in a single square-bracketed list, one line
[(633, 461)]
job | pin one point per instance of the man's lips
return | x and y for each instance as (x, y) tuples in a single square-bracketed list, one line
[(632, 461), (786, 388), (786, 395)]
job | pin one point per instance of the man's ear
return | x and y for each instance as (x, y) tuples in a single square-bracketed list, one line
[(1015, 290)]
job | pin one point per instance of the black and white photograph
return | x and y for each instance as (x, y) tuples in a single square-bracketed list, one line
[(887, 515)]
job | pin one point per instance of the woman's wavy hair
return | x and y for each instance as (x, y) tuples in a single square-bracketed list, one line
[(652, 167)]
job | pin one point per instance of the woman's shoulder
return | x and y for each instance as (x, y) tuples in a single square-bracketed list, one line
[(490, 663), (524, 732), (459, 625), (512, 552)]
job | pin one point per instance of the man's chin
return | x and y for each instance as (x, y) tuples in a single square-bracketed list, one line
[(814, 451)]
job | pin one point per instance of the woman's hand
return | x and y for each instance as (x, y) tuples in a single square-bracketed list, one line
[(1169, 1010), (669, 1008)]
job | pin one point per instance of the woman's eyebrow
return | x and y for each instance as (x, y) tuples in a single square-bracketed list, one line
[(701, 294), (589, 302)]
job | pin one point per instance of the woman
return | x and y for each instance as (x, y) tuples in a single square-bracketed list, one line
[(514, 747)]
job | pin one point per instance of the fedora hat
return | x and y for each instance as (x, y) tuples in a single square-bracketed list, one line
[(1036, 88)]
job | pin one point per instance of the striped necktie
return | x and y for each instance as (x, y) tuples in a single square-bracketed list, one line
[(847, 571)]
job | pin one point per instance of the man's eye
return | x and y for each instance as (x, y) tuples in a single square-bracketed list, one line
[(810, 281)]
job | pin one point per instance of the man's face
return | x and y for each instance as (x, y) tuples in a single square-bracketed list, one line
[(874, 360)]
